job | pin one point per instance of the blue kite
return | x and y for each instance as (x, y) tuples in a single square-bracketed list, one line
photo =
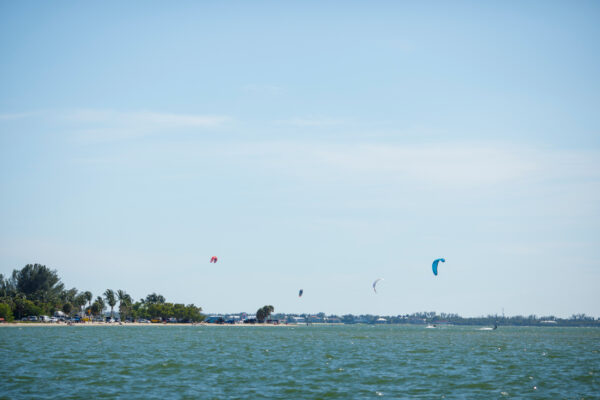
[(435, 265)]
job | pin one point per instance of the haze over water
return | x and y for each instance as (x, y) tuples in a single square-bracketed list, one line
[(350, 361)]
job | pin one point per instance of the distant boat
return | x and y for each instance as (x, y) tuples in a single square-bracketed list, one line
[(430, 327)]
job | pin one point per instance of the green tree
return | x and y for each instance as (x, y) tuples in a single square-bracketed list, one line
[(95, 308), (67, 308), (38, 282), (101, 304), (138, 309), (179, 311), (109, 295), (154, 299), (79, 302), (25, 308), (193, 313), (6, 312), (7, 287), (68, 296), (88, 296), (124, 303), (263, 313), (154, 310)]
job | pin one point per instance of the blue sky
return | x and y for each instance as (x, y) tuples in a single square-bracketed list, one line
[(313, 145)]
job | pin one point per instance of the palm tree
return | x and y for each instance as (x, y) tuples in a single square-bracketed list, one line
[(95, 308), (109, 295), (101, 304), (80, 301), (88, 296), (124, 303), (269, 310), (129, 303), (155, 298), (264, 312), (68, 296)]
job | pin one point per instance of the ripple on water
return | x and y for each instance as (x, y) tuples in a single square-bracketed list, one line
[(308, 362)]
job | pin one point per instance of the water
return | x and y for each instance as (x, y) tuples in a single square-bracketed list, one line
[(306, 362)]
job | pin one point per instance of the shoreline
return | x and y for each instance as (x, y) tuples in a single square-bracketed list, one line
[(62, 324)]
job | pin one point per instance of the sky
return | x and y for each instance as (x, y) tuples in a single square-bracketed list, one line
[(307, 145)]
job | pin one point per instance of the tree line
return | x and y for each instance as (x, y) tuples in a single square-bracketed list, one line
[(37, 290)]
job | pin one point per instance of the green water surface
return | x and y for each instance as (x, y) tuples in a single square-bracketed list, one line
[(305, 362)]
